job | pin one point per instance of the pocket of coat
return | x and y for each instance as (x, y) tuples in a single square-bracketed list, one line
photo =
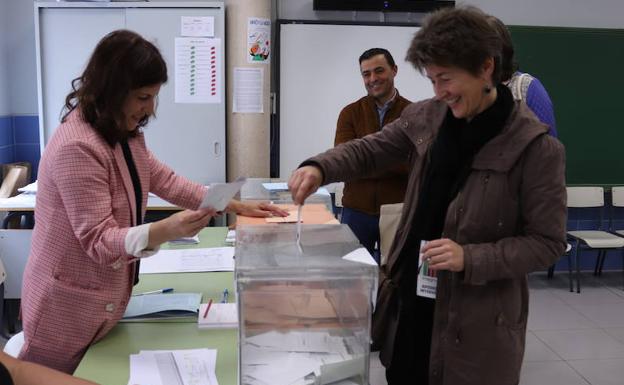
[(513, 318), (75, 283)]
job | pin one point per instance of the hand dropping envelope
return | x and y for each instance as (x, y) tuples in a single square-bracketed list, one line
[(219, 194)]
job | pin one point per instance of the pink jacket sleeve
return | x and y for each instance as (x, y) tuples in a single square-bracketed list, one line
[(176, 189)]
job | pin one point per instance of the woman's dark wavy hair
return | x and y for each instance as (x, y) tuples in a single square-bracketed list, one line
[(457, 37), (121, 62)]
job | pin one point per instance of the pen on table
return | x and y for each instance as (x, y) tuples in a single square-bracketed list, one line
[(207, 308), (226, 294), (159, 291)]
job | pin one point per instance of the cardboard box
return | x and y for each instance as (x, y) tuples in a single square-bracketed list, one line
[(15, 176), (7, 166)]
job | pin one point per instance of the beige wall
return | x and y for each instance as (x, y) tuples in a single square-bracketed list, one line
[(247, 133)]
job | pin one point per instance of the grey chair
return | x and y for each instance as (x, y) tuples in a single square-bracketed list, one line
[(617, 200), (599, 239)]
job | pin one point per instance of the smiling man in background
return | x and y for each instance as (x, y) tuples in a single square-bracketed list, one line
[(383, 104)]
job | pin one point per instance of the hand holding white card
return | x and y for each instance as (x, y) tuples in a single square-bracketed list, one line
[(299, 229), (219, 194)]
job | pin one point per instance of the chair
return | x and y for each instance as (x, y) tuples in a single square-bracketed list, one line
[(389, 218), (617, 200), (599, 240)]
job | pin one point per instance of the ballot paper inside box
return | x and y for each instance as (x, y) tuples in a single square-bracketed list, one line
[(304, 316)]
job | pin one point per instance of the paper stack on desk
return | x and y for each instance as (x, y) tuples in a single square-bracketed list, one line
[(185, 240), (296, 357), (219, 316), (173, 367), (189, 260)]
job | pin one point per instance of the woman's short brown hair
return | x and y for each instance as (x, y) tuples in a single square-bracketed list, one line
[(456, 37), (122, 61), (508, 64)]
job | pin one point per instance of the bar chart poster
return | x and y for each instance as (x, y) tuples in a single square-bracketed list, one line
[(197, 72)]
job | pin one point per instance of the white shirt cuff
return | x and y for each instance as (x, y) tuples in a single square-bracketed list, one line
[(136, 241)]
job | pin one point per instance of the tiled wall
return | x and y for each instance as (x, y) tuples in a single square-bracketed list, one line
[(7, 141), (19, 140)]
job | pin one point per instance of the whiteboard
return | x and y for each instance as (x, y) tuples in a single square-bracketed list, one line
[(190, 138), (319, 74)]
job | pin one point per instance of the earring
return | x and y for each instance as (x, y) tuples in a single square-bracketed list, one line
[(487, 89)]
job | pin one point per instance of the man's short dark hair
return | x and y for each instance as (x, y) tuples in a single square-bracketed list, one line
[(369, 53)]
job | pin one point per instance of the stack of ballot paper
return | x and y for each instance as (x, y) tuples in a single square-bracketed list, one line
[(185, 240), (189, 260), (219, 316), (162, 306), (301, 357), (173, 367)]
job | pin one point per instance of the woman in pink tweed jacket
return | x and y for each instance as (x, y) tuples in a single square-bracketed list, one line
[(88, 234)]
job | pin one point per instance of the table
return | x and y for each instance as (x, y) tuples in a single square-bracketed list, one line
[(311, 214), (25, 202), (108, 362)]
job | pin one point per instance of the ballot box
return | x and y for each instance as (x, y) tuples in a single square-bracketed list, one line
[(304, 307)]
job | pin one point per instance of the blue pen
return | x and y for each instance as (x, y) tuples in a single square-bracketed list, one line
[(159, 291), (226, 294)]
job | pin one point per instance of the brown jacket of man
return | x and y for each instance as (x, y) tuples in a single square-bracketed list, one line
[(367, 194), (509, 218)]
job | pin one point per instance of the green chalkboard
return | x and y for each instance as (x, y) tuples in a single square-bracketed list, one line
[(583, 71)]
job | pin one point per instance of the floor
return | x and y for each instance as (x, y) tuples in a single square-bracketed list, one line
[(572, 339)]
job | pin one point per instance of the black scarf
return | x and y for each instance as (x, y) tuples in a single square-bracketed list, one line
[(138, 195), (450, 164)]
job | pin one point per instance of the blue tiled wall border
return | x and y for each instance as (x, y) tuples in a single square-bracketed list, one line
[(19, 140)]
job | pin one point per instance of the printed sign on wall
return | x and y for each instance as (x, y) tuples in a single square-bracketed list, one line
[(258, 40), (197, 74)]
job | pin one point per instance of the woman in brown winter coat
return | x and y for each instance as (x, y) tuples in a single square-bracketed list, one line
[(486, 190)]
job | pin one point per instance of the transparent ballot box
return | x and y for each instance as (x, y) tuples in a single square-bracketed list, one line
[(304, 313)]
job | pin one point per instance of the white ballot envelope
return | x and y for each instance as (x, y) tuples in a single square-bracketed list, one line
[(219, 194)]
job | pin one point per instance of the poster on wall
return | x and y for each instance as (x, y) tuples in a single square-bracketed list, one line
[(258, 40), (247, 96), (197, 74), (199, 26)]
